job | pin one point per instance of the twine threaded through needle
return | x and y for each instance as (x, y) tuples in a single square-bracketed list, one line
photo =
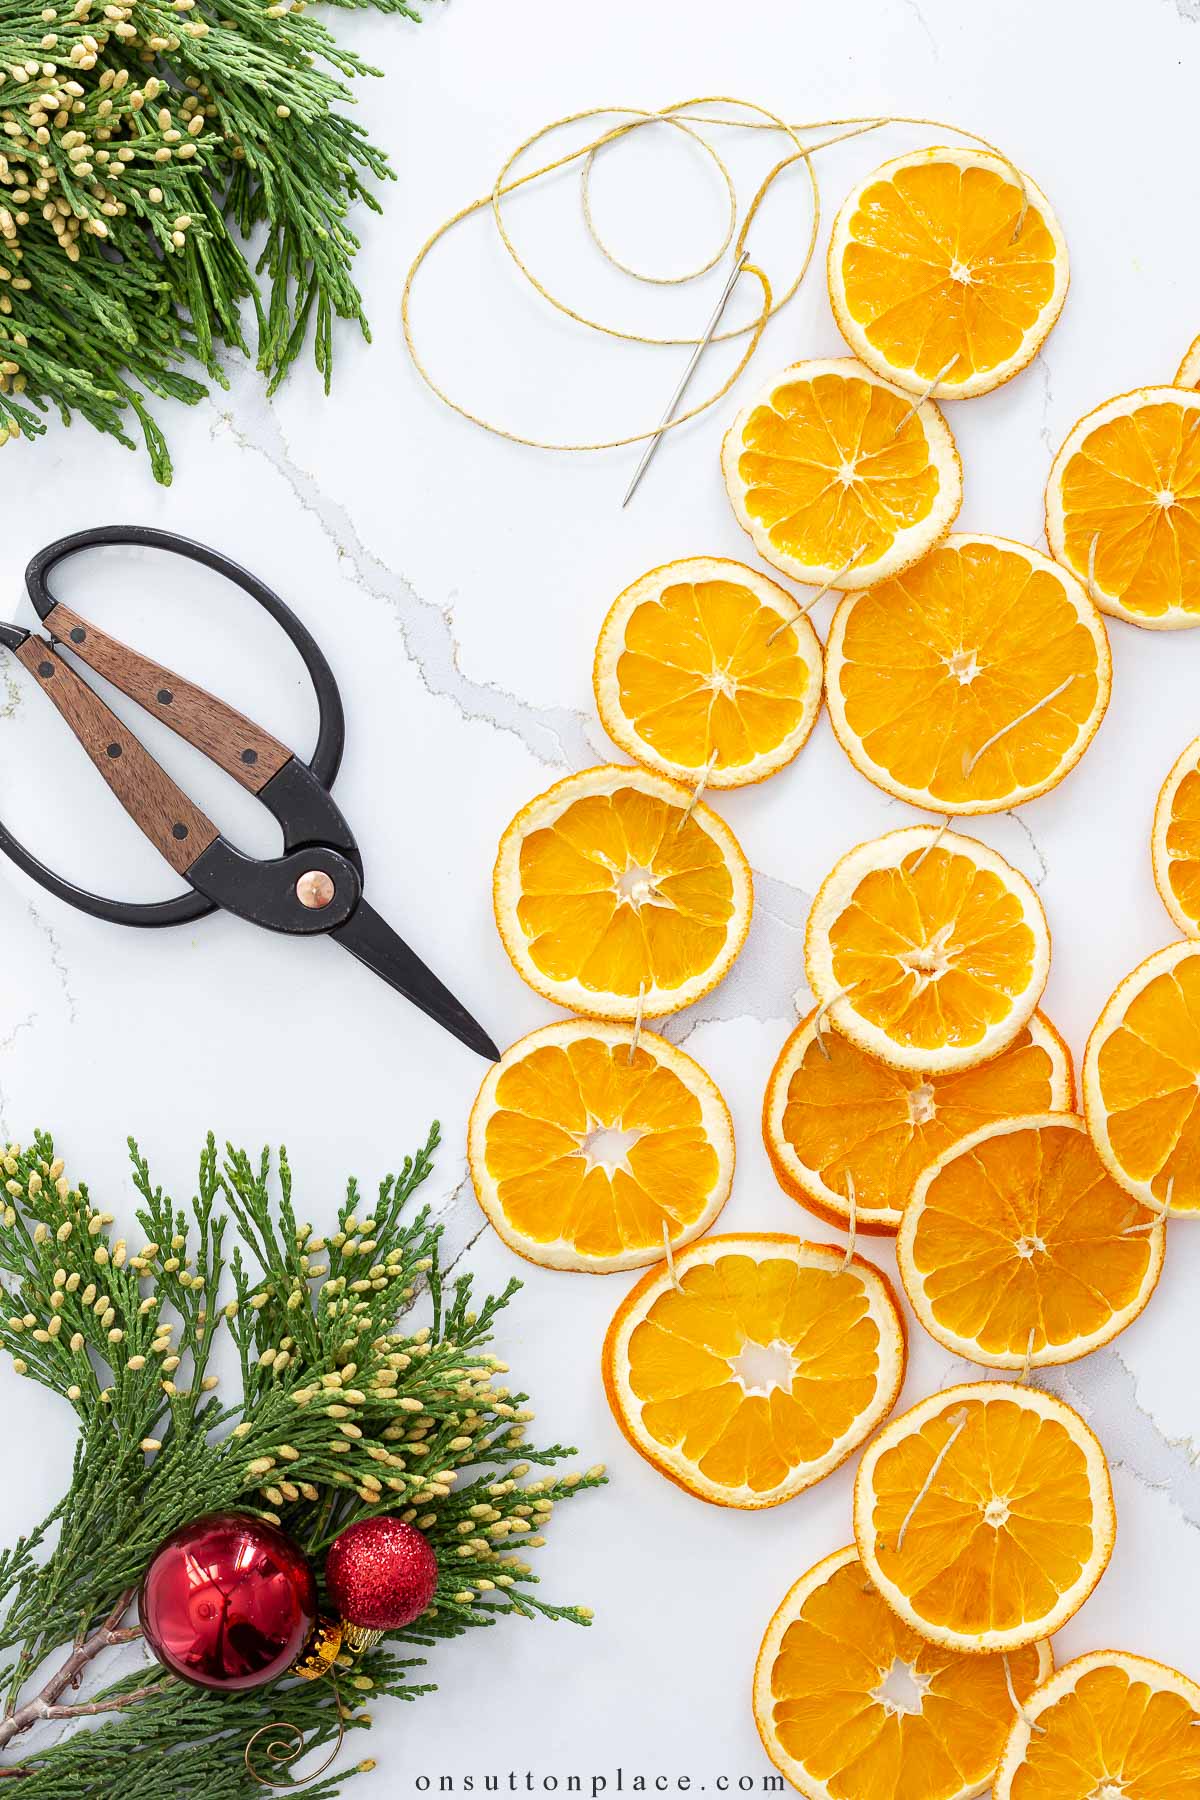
[(681, 116)]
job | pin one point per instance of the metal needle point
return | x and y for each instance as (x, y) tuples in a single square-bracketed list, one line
[(677, 396)]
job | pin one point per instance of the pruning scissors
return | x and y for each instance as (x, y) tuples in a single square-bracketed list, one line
[(317, 884)]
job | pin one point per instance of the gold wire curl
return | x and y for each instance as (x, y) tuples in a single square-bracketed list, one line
[(681, 116), (280, 1743)]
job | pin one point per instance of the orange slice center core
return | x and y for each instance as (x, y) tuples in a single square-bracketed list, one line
[(995, 1513), (761, 1368), (635, 886), (922, 1104), (902, 1690), (608, 1146)]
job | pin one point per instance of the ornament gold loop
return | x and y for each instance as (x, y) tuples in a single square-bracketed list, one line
[(281, 1742)]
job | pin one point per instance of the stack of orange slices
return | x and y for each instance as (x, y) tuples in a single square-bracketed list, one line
[(924, 1096)]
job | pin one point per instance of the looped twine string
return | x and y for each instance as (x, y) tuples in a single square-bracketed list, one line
[(705, 778), (969, 762), (925, 394), (820, 594), (852, 1195), (690, 117), (959, 1421), (934, 841), (1029, 1724), (637, 1022), (1161, 1211), (670, 1253), (819, 1017), (281, 1742)]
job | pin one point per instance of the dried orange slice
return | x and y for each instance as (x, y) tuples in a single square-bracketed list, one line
[(927, 949), (585, 1152), (1188, 374), (1108, 1726), (838, 477), (836, 1119), (615, 889), (984, 1515), (852, 1705), (754, 1366), (1175, 841), (973, 681), (1123, 506), (706, 667), (1141, 1081), (948, 267), (1019, 1249)]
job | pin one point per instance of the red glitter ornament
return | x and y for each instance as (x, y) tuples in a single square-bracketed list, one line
[(228, 1602), (381, 1574)]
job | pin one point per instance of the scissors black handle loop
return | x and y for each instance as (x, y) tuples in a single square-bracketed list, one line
[(324, 763)]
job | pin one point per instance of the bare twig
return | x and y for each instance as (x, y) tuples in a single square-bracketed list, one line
[(44, 1705)]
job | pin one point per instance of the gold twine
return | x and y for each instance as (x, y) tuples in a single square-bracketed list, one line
[(681, 116)]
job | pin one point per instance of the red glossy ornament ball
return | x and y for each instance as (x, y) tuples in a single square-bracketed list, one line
[(381, 1574), (228, 1601)]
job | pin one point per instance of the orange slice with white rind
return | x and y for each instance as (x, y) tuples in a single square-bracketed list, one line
[(1141, 1081), (705, 667), (589, 1153), (927, 949), (755, 1366), (984, 1515), (972, 682), (1175, 841), (838, 477), (1123, 507), (852, 1705), (947, 266), (1018, 1249), (836, 1119), (1110, 1725), (616, 889), (1188, 373)]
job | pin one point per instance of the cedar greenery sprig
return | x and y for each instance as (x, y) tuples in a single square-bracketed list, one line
[(144, 141), (341, 1412)]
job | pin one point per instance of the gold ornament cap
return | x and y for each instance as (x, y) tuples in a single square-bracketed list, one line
[(357, 1638), (320, 1653)]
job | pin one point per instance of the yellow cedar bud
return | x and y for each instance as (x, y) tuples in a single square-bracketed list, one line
[(64, 1231), (137, 1362), (241, 1431), (40, 1232), (73, 1392), (20, 1365), (77, 1342), (150, 1444)]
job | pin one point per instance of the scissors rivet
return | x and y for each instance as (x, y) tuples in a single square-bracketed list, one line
[(45, 670), (164, 696), (314, 889), (249, 756), (114, 750), (78, 635), (179, 831)]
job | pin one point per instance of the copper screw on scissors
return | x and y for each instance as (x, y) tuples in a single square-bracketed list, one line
[(685, 378)]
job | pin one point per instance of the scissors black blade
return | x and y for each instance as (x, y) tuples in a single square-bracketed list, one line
[(372, 940)]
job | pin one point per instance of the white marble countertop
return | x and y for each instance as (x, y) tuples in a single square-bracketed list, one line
[(457, 583)]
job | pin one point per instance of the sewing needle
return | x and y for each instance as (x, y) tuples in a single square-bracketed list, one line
[(677, 396)]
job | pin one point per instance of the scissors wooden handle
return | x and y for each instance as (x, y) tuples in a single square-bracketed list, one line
[(240, 747), (173, 823)]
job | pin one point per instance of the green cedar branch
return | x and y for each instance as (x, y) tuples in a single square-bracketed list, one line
[(343, 1408)]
